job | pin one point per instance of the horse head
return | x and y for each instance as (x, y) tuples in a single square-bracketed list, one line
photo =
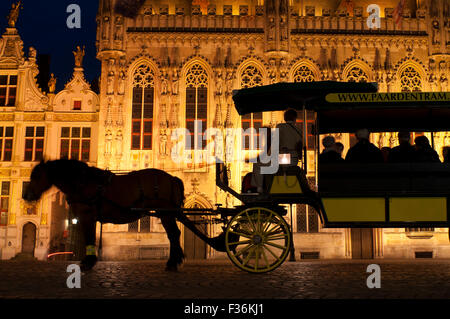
[(39, 182)]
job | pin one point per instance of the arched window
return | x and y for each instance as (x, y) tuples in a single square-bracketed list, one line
[(142, 108), (196, 106), (410, 80), (356, 74), (304, 74), (251, 76)]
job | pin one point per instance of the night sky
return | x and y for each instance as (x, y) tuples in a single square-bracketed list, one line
[(42, 25)]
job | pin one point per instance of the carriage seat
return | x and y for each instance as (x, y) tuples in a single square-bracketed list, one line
[(351, 178)]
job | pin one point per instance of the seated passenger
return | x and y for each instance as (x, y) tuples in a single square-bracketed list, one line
[(446, 154), (339, 148), (329, 154), (404, 152), (364, 151), (424, 153), (290, 137)]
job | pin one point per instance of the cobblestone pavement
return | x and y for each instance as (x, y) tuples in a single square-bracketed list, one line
[(329, 279)]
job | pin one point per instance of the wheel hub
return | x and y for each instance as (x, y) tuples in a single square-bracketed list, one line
[(257, 239)]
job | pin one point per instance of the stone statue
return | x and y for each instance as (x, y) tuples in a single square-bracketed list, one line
[(14, 14), (122, 78), (164, 83), (79, 56), (110, 83), (32, 53), (52, 83), (175, 81), (219, 82), (163, 143)]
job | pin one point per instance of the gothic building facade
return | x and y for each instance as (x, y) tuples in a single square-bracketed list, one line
[(174, 67)]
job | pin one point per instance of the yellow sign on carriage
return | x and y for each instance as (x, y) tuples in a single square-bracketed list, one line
[(388, 97)]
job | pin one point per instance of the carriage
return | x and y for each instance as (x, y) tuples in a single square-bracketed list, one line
[(385, 195), (257, 237)]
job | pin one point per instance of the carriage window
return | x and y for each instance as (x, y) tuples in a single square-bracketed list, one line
[(75, 143), (6, 143), (4, 203), (34, 143), (142, 109), (251, 77), (8, 90), (309, 127)]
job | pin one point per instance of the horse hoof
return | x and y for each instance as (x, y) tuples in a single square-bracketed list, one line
[(88, 263)]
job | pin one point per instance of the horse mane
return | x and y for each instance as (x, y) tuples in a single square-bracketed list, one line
[(75, 170)]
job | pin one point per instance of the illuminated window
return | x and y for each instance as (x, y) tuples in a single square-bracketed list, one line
[(410, 80), (196, 107), (34, 143), (4, 203), (77, 105), (75, 143), (8, 90), (140, 226), (251, 77), (356, 74), (142, 108), (6, 143), (304, 74)]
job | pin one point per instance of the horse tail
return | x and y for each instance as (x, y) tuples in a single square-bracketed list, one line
[(179, 193)]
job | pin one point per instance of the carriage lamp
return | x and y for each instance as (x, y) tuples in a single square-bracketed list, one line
[(284, 159), (74, 221)]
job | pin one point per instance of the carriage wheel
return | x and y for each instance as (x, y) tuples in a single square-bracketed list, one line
[(257, 240)]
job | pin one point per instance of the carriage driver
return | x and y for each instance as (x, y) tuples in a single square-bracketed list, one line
[(291, 137)]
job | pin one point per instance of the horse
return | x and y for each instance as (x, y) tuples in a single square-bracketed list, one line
[(97, 195)]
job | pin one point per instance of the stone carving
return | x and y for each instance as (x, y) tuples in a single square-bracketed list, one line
[(310, 11), (118, 34), (14, 14), (52, 84), (243, 10), (179, 10), (259, 10), (105, 33), (122, 79), (163, 143), (435, 37), (164, 9), (79, 56), (212, 9), (175, 81), (219, 82), (227, 10), (164, 82), (195, 10), (32, 53)]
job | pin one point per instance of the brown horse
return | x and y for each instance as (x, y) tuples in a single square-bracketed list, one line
[(99, 195)]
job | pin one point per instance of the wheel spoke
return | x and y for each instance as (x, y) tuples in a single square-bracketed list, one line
[(276, 245), (270, 251), (258, 222), (256, 257), (247, 259), (243, 250), (251, 222), (240, 234), (273, 237), (267, 223), (265, 257), (276, 229), (240, 242)]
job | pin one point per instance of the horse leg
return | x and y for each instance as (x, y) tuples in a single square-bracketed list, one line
[(173, 233), (87, 220)]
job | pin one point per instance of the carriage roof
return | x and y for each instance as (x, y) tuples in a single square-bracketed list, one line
[(345, 107)]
